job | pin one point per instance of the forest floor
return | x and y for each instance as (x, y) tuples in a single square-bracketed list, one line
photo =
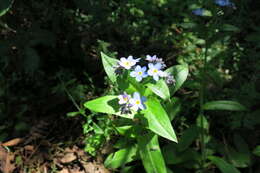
[(52, 145)]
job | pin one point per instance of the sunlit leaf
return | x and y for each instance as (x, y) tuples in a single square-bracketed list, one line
[(150, 153), (180, 73), (105, 104), (121, 157), (160, 88), (158, 120), (109, 64)]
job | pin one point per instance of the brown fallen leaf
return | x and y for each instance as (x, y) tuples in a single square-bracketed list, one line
[(91, 167), (29, 148), (68, 157), (12, 142), (6, 160)]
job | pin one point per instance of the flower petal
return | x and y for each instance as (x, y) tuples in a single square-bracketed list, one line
[(133, 73), (156, 77), (138, 78), (150, 65), (158, 66)]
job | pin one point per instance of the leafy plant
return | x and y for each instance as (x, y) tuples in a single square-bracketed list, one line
[(145, 114)]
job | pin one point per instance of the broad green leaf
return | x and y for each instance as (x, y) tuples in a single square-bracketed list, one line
[(160, 88), (257, 151), (5, 5), (188, 137), (150, 153), (223, 166), (224, 105), (105, 104), (158, 120), (180, 73), (121, 157), (109, 64)]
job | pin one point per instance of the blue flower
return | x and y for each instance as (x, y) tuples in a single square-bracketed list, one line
[(137, 102), (139, 73), (154, 59), (124, 98), (151, 58), (224, 3), (155, 71), (128, 63), (198, 11)]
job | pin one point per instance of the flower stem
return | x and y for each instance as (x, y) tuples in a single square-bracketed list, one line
[(201, 114)]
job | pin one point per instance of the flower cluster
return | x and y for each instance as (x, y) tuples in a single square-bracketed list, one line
[(198, 11), (129, 103), (154, 68), (224, 3)]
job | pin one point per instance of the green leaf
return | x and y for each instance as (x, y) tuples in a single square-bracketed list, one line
[(180, 74), (228, 27), (257, 151), (109, 64), (241, 157), (158, 120), (160, 88), (126, 131), (188, 137), (121, 157), (224, 105), (105, 104), (223, 166), (72, 114), (5, 5), (205, 123), (237, 158), (150, 153), (129, 84), (128, 169), (173, 157), (173, 107)]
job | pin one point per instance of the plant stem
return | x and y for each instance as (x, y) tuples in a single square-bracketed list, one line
[(201, 114)]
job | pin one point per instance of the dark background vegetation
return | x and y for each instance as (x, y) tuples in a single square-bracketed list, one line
[(47, 46)]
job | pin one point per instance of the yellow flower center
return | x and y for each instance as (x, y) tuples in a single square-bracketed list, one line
[(127, 63), (155, 70), (140, 73), (137, 102)]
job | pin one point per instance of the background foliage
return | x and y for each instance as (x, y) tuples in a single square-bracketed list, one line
[(50, 65)]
